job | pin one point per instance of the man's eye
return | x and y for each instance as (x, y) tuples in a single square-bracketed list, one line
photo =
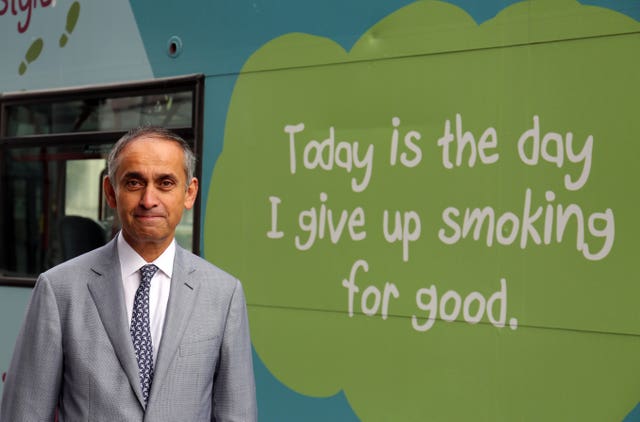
[(167, 183), (133, 184)]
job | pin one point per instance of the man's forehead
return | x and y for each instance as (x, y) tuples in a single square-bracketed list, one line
[(156, 158), (151, 149)]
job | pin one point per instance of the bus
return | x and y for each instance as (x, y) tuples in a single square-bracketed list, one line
[(429, 203)]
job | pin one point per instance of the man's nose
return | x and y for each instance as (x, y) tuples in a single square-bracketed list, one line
[(149, 197)]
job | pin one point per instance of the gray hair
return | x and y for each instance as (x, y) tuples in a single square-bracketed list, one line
[(113, 160)]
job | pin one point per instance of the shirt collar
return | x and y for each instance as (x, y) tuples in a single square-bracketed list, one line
[(131, 261)]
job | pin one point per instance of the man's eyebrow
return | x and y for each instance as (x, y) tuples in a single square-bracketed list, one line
[(138, 175), (162, 176), (132, 175)]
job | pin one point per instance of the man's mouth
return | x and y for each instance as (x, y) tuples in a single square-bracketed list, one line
[(148, 216)]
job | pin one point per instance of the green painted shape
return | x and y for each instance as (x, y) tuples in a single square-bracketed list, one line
[(425, 64), (72, 16), (72, 19), (33, 52)]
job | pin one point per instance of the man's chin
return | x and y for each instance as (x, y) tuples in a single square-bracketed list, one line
[(148, 235)]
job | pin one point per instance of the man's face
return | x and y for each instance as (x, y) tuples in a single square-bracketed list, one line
[(150, 193)]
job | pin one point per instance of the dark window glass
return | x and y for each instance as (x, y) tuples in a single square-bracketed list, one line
[(100, 114)]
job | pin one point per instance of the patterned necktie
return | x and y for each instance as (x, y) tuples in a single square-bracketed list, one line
[(141, 331)]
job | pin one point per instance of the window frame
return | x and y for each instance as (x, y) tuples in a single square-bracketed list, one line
[(193, 83)]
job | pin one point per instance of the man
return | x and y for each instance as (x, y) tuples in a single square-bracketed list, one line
[(104, 340)]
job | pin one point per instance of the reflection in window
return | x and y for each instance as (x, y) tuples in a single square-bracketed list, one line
[(35, 186), (100, 114), (82, 193)]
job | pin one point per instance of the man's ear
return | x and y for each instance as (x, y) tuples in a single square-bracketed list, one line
[(192, 192), (109, 192)]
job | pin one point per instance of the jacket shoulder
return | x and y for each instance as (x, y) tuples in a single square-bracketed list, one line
[(205, 270), (95, 261)]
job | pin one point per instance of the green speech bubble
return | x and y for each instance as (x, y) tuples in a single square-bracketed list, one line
[(525, 309)]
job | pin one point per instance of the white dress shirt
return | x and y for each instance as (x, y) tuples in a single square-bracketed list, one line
[(130, 264)]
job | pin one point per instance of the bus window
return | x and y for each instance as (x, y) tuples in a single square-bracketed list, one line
[(53, 149)]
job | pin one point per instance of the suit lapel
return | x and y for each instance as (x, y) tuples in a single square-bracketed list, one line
[(182, 297), (108, 296)]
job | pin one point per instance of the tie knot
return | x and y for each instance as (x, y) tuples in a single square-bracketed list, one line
[(147, 272)]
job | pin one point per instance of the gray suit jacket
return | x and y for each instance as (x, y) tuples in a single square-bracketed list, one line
[(74, 350)]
